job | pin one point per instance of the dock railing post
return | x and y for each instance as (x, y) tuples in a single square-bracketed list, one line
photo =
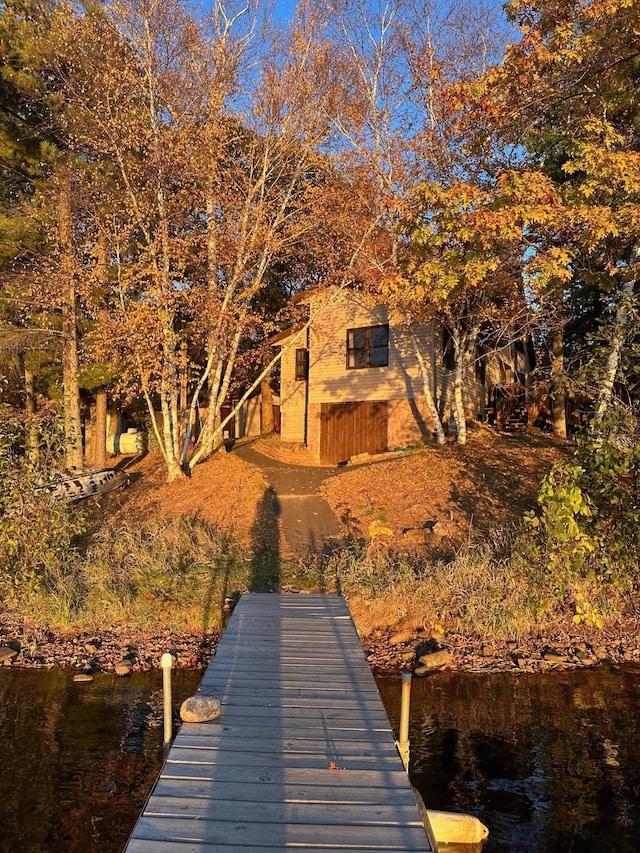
[(403, 739), (167, 664)]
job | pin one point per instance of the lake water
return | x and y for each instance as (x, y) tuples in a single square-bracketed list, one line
[(549, 762), (78, 760)]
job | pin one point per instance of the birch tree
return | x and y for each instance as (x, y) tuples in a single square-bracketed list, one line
[(567, 95), (207, 143)]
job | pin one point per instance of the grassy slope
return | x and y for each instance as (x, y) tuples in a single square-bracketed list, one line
[(458, 492)]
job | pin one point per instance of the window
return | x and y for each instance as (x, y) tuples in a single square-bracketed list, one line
[(302, 365), (368, 347), (481, 365), (448, 350)]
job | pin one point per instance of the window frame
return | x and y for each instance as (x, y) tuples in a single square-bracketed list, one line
[(449, 361), (302, 364), (367, 349)]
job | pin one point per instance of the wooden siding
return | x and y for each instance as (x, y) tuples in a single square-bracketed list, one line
[(331, 382), (347, 429), (292, 398), (302, 756), (329, 378)]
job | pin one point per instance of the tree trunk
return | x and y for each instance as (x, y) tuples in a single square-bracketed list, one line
[(617, 342), (184, 376), (458, 386), (426, 385), (266, 403), (100, 430), (71, 394), (464, 345), (558, 394)]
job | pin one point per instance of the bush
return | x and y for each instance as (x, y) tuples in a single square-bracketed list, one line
[(39, 537), (589, 520)]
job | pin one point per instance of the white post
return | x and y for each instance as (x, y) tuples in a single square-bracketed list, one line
[(403, 739), (167, 664)]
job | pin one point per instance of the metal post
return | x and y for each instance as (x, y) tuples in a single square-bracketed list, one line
[(167, 663), (403, 740)]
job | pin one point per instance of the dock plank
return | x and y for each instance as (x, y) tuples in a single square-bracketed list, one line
[(302, 756)]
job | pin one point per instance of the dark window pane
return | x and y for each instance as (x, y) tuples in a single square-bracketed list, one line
[(379, 357), (358, 338), (448, 351), (379, 336), (368, 347), (302, 365), (359, 358)]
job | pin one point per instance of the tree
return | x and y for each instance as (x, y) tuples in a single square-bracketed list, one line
[(567, 93), (394, 63), (206, 177), (32, 151), (460, 265)]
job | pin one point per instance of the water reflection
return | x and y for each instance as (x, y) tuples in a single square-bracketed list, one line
[(78, 760), (548, 762)]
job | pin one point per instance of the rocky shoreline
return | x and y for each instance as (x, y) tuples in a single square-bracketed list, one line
[(388, 652), (120, 652)]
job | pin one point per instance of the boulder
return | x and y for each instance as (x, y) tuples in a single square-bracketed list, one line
[(124, 667), (437, 660), (7, 654), (200, 709), (83, 676), (400, 637), (552, 657)]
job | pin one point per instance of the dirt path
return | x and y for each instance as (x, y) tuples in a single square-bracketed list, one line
[(308, 522)]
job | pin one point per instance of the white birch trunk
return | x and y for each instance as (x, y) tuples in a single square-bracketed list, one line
[(463, 347), (428, 395), (613, 359)]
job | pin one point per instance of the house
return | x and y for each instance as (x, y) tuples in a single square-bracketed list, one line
[(351, 384)]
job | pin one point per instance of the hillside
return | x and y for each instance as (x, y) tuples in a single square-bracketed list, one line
[(449, 493)]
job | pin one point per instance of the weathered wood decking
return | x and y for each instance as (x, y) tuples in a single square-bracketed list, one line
[(302, 756)]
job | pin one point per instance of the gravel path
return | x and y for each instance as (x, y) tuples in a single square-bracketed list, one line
[(308, 522)]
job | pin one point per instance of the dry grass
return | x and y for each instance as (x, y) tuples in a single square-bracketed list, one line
[(460, 492), (225, 492)]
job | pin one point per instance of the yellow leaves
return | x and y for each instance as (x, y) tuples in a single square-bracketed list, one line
[(378, 528), (551, 266), (587, 612)]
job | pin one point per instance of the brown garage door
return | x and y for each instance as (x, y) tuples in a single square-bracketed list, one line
[(347, 429)]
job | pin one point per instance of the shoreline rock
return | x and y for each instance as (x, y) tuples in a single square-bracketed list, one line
[(424, 655), (389, 651), (101, 651)]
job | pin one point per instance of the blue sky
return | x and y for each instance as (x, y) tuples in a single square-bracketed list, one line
[(284, 9)]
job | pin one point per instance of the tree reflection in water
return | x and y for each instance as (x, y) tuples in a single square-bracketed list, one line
[(548, 762), (78, 760)]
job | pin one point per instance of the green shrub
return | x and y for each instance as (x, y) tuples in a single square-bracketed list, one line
[(39, 537), (589, 520)]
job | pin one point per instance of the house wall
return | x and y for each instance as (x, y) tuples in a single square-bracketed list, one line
[(329, 378), (293, 395), (400, 383)]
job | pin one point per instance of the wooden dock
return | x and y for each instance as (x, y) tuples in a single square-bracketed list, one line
[(302, 757)]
